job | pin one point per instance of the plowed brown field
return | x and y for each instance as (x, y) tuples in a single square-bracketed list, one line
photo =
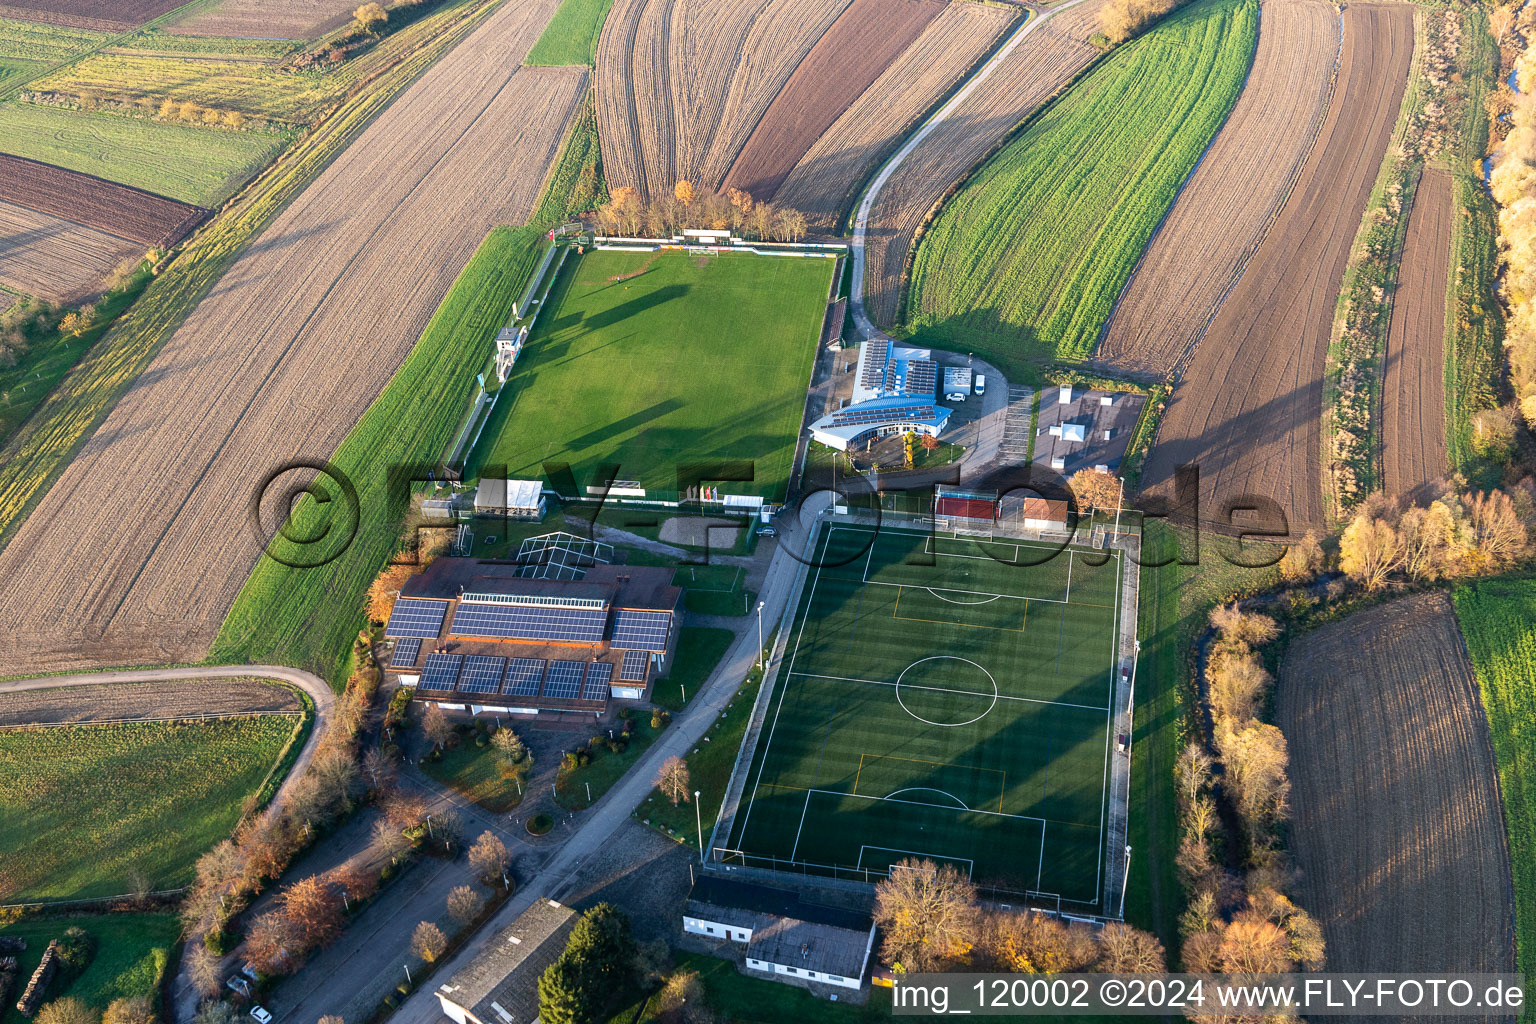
[(822, 183), (136, 553), (1398, 831), (117, 702), (1232, 197), (681, 84), (119, 210), (1413, 397), (1032, 73), (859, 46), (56, 259), (268, 19), (105, 15), (1247, 409)]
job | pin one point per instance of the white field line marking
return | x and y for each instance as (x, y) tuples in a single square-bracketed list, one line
[(796, 848), (1040, 872), (965, 604), (926, 789), (915, 853), (937, 807), (945, 689)]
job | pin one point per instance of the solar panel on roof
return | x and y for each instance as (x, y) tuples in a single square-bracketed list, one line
[(441, 671), (523, 677), (639, 630), (482, 674), (557, 625), (417, 617), (406, 651), (634, 667), (564, 679), (596, 686)]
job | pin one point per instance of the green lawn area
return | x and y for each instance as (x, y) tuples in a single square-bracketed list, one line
[(699, 650), (571, 787), (660, 360), (709, 770), (13, 70), (1498, 620), (46, 44), (196, 165), (475, 772), (990, 755), (571, 36), (132, 954), (737, 997), (714, 589), (85, 808), (45, 361), (1026, 261)]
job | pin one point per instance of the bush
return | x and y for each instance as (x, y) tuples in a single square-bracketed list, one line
[(76, 950), (217, 941), (540, 824)]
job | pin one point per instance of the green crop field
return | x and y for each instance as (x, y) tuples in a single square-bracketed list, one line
[(132, 954), (654, 360), (160, 41), (48, 44), (13, 70), (941, 697), (1498, 620), (196, 165), (84, 809), (571, 35), (1026, 261)]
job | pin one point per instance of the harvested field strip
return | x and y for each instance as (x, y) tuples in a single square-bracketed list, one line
[(87, 806), (1248, 407), (822, 184), (169, 40), (405, 203), (267, 19), (1233, 196), (1498, 620), (859, 46), (1055, 50), (1398, 833), (98, 15), (683, 83), (189, 698), (572, 35), (1413, 398), (200, 166), (128, 213), (26, 40), (1025, 262), (56, 259)]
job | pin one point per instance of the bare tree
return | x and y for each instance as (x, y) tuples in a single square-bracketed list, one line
[(1127, 950), (928, 914), (68, 1010), (203, 966), (1256, 759), (315, 909), (130, 1010), (673, 780), (428, 941), (489, 857), (379, 771), (1252, 945), (1302, 560), (1497, 529), (464, 903), (1370, 551), (435, 724)]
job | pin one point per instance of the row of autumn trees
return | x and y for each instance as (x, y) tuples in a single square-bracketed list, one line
[(1513, 184), (630, 214), (931, 920), (1455, 534)]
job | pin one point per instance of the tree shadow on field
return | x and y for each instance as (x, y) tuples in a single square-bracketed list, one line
[(639, 304)]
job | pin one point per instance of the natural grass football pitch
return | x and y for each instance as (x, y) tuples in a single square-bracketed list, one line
[(941, 697), (659, 360)]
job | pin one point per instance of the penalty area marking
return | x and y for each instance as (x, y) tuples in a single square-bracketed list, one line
[(970, 870), (926, 789)]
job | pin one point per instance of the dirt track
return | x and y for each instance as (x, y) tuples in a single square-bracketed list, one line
[(118, 702), (1398, 831), (1248, 406), (56, 259), (137, 552), (1232, 197), (821, 184), (1034, 71), (859, 46), (681, 84), (1413, 396)]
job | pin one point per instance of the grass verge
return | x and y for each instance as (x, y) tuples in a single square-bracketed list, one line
[(571, 35), (699, 650), (579, 788), (133, 952)]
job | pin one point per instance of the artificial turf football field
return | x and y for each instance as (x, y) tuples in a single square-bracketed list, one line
[(655, 360), (936, 700)]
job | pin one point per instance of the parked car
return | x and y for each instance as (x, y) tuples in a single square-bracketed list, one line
[(261, 1015), (981, 383), (767, 531), (956, 396)]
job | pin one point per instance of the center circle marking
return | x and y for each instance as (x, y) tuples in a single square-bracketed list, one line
[(946, 725)]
